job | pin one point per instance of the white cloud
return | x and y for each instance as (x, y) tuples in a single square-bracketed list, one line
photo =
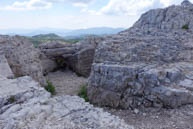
[(132, 7), (170, 2), (43, 4), (76, 3), (127, 7), (73, 1), (28, 5)]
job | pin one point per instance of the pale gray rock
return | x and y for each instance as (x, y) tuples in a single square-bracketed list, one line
[(24, 104), (22, 57), (79, 56), (55, 49), (173, 17), (148, 65), (81, 62), (47, 64), (4, 67)]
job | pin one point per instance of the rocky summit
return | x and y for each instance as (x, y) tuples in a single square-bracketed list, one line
[(148, 65), (147, 68)]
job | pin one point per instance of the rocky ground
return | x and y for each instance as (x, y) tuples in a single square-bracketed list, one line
[(26, 105), (180, 118), (66, 82)]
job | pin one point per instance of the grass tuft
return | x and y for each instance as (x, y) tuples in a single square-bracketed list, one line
[(12, 99), (83, 93), (185, 27), (50, 88)]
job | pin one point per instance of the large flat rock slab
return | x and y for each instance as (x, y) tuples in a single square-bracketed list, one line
[(24, 104)]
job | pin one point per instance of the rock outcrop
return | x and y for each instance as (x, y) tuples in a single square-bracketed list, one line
[(79, 57), (171, 18), (48, 65), (22, 57), (24, 104), (150, 64), (4, 67)]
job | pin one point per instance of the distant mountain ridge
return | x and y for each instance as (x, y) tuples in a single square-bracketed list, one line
[(95, 31), (47, 36), (63, 32)]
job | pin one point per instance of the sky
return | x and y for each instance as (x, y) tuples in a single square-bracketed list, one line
[(75, 14)]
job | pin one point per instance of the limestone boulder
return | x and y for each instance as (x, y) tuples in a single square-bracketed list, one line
[(148, 65), (22, 57), (173, 17), (5, 70), (79, 56), (48, 65), (81, 62)]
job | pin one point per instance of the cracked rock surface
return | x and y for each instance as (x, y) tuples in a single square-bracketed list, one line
[(148, 65), (24, 104), (22, 57), (78, 57)]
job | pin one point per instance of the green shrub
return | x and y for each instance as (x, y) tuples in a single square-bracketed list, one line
[(83, 93), (50, 88), (11, 99), (60, 62), (186, 27)]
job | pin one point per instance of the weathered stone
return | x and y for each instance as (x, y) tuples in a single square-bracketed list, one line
[(173, 17), (4, 67), (47, 64), (22, 57), (150, 64), (79, 57), (24, 104), (81, 62)]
